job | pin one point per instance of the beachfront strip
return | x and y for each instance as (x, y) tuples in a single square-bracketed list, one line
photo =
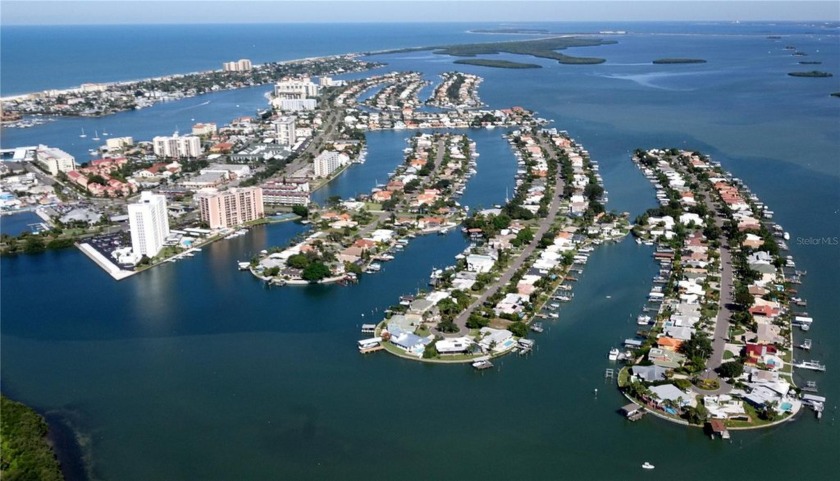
[(719, 350), (520, 253), (98, 99), (355, 236)]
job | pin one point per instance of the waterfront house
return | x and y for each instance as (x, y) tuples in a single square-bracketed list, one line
[(755, 353), (409, 342), (479, 263), (670, 394), (457, 345), (495, 340), (649, 373), (665, 358), (669, 343), (511, 304), (724, 406)]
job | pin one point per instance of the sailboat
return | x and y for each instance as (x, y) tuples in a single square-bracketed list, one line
[(83, 134), (95, 135)]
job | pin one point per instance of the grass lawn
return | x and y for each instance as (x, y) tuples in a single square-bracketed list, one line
[(623, 376)]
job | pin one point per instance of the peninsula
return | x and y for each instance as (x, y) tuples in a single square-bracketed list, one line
[(521, 254), (719, 345)]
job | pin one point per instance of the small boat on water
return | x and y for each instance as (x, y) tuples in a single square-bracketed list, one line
[(613, 355), (482, 364), (643, 320), (647, 465)]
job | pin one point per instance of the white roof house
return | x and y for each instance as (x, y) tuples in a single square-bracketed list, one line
[(454, 345), (479, 263)]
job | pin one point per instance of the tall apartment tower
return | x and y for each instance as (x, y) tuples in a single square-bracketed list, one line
[(149, 223), (231, 207), (285, 127)]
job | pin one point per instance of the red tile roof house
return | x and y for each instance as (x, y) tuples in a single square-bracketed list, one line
[(754, 352), (365, 244), (382, 195), (429, 222), (766, 311)]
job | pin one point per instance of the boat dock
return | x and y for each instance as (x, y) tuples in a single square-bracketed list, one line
[(368, 328), (810, 365), (633, 412)]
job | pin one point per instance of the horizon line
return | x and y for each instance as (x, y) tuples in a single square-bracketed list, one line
[(397, 22)]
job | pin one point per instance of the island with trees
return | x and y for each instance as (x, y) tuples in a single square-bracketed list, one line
[(25, 450), (811, 74), (541, 48), (486, 62)]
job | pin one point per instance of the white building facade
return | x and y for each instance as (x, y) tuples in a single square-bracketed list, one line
[(177, 147), (296, 88), (55, 160), (149, 224), (328, 162), (285, 128)]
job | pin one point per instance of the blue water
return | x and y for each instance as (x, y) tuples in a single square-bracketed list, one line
[(197, 371), (16, 224)]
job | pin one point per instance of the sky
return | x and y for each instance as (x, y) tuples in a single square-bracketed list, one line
[(69, 12)]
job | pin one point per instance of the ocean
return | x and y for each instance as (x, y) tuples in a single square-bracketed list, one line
[(194, 370)]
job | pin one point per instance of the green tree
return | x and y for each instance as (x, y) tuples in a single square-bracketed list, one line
[(315, 272), (501, 221), (298, 261), (24, 450), (300, 210), (518, 328), (731, 369), (430, 351), (353, 268), (477, 322), (699, 346), (34, 244), (447, 325)]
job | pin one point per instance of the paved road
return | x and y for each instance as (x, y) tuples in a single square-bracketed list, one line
[(440, 150), (544, 225), (721, 332)]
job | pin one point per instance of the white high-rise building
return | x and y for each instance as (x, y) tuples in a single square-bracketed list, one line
[(286, 130), (328, 162), (296, 88), (177, 147), (149, 223), (241, 65)]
